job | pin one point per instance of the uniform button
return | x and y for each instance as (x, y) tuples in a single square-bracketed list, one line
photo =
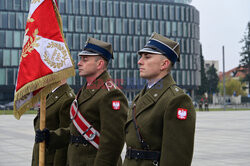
[(155, 95), (56, 97), (70, 94), (176, 89), (93, 90)]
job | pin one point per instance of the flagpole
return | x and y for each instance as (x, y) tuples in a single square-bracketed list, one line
[(42, 126)]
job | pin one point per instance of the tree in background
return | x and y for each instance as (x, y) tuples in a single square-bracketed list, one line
[(213, 80), (245, 56), (204, 83), (233, 87)]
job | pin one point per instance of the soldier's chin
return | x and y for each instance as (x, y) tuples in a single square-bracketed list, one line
[(142, 75)]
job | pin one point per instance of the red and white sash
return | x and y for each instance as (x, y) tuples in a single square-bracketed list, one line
[(83, 126)]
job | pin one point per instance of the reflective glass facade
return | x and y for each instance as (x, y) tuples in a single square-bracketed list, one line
[(125, 24)]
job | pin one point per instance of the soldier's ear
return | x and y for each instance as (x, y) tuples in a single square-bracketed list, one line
[(165, 64), (100, 64)]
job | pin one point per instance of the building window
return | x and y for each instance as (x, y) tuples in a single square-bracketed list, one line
[(142, 12), (162, 28), (2, 4), (103, 8), (69, 39), (129, 9), (68, 6), (154, 11), (131, 27), (150, 29), (115, 61), (3, 76), (9, 39), (83, 39), (125, 26), (14, 57), (123, 43), (99, 25), (187, 14), (182, 13), (83, 7), (25, 5), (142, 42), (121, 60), (12, 20), (9, 4), (118, 26), (61, 5), (85, 24), (92, 24), (180, 29), (116, 9), (116, 43), (174, 29), (3, 19), (105, 25), (110, 8), (111, 25), (122, 9), (172, 11), (2, 38), (156, 26), (76, 6), (19, 20), (165, 12), (71, 23), (89, 7), (135, 10), (177, 13), (136, 43), (138, 27), (128, 60), (129, 43), (159, 11), (76, 41), (168, 28), (78, 23), (148, 11), (97, 7), (6, 57)]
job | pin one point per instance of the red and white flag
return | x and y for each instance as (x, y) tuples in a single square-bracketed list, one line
[(45, 58)]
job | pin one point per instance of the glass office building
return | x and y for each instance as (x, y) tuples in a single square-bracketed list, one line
[(126, 24)]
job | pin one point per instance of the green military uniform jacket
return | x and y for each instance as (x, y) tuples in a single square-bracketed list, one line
[(57, 116), (156, 116), (95, 104)]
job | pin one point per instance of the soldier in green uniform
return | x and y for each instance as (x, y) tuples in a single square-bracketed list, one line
[(161, 123), (103, 105), (57, 115)]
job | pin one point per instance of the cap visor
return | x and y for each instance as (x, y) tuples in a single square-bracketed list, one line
[(85, 52), (148, 50)]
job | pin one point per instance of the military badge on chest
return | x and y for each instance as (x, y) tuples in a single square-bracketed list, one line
[(116, 105), (182, 113)]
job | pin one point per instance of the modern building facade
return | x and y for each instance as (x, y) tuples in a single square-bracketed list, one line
[(126, 24)]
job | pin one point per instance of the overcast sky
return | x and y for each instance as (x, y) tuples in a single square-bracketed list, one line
[(222, 22)]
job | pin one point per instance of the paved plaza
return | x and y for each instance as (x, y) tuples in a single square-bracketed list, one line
[(222, 139)]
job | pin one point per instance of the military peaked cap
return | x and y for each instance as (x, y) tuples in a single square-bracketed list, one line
[(97, 47), (159, 44)]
